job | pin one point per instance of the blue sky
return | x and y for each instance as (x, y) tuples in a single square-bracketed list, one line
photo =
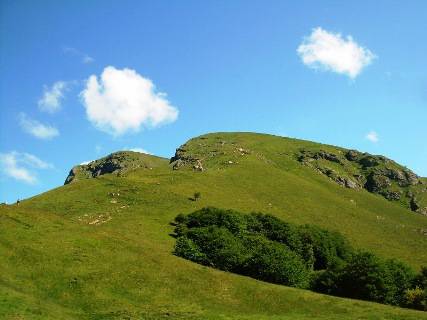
[(81, 79)]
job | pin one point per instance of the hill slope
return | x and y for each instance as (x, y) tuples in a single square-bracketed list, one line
[(100, 248)]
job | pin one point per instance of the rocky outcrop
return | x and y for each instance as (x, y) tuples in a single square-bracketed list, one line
[(183, 159), (356, 170), (377, 182), (116, 163)]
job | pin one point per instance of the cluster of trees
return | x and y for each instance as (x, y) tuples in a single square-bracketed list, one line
[(266, 248)]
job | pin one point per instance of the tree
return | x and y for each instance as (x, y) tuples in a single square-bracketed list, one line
[(197, 195)]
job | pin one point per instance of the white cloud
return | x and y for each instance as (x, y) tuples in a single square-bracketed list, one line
[(37, 129), (85, 58), (330, 51), (123, 100), (372, 136), (20, 166), (52, 97), (86, 162), (140, 150)]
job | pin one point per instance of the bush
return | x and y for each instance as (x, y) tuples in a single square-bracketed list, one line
[(367, 277), (421, 279), (329, 248), (273, 262), (219, 247), (197, 196), (415, 298), (275, 230), (266, 248), (328, 281), (363, 278), (228, 219), (399, 278), (187, 249)]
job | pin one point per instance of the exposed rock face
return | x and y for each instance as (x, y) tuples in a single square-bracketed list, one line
[(116, 163), (353, 155), (377, 182), (183, 159), (320, 155), (377, 174)]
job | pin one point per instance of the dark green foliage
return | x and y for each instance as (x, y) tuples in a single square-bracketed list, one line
[(228, 219), (187, 249), (328, 247), (318, 247), (243, 244), (421, 279), (399, 278), (364, 277), (416, 297), (266, 248), (273, 262), (219, 247), (327, 281), (367, 277)]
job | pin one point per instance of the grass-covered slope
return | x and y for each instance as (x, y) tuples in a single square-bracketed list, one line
[(100, 248)]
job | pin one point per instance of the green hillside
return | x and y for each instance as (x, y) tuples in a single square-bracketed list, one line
[(100, 248)]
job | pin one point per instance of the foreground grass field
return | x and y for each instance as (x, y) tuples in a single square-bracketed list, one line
[(101, 248)]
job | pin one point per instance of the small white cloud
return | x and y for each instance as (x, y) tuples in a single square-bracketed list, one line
[(37, 129), (140, 150), (20, 166), (33, 161), (123, 100), (372, 136), (85, 58), (52, 97), (330, 51)]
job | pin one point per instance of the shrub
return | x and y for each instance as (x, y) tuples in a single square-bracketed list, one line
[(266, 248), (187, 249), (328, 281), (276, 263), (420, 280), (363, 278), (415, 298), (276, 230), (220, 248), (209, 216), (328, 247), (399, 278), (367, 277)]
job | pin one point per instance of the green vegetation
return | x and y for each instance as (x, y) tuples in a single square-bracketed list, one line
[(100, 248), (196, 196), (266, 248)]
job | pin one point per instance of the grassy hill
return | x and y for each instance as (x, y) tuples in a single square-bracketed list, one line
[(100, 248)]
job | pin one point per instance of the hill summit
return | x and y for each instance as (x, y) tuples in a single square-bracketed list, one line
[(348, 168)]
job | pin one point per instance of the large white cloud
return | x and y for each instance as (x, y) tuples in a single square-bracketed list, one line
[(330, 51), (21, 166), (37, 129), (123, 100), (52, 97)]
